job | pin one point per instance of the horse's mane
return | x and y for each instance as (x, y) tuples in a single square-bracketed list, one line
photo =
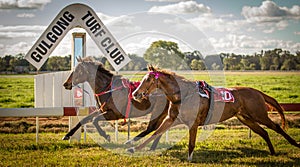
[(163, 71), (92, 61)]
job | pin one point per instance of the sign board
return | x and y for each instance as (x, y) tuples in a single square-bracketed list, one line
[(77, 15)]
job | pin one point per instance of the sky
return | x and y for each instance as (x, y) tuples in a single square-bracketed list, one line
[(210, 26)]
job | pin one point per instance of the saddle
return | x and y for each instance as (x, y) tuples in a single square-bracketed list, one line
[(218, 94), (214, 94)]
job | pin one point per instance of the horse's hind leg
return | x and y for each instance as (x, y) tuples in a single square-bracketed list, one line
[(192, 140), (270, 124), (155, 143), (257, 129), (79, 124)]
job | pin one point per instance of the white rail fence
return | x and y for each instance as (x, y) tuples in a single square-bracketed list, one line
[(52, 99)]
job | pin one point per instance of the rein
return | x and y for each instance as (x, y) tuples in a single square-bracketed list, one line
[(107, 90), (125, 84), (156, 76)]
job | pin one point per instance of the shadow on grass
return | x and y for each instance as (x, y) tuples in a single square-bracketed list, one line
[(51, 146), (239, 156)]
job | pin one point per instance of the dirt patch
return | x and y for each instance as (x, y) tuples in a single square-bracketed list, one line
[(28, 125), (61, 124)]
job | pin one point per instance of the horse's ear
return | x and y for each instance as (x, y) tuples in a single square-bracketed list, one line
[(150, 67), (79, 59)]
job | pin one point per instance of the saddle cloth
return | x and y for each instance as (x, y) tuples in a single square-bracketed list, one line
[(220, 93)]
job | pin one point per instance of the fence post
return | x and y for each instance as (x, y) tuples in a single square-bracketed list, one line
[(37, 126)]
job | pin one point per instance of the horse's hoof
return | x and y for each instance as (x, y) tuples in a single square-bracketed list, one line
[(108, 138), (66, 138), (129, 142), (131, 150)]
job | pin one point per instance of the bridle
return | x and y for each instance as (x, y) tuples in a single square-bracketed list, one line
[(156, 76)]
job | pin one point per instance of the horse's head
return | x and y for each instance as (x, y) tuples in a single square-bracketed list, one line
[(148, 84), (84, 71)]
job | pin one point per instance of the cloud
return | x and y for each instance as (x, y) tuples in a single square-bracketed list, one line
[(297, 32), (13, 49), (21, 31), (209, 22), (105, 18), (119, 24), (181, 8), (23, 4), (18, 39), (26, 15), (166, 0), (8, 35), (244, 44), (269, 11)]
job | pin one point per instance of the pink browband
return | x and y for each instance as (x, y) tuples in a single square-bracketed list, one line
[(156, 74)]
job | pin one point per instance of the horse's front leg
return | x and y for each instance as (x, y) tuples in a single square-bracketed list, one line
[(153, 125), (84, 121), (167, 123)]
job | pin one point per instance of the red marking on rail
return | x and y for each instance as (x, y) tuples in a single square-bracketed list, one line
[(70, 111)]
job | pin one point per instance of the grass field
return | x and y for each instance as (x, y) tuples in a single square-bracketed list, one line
[(226, 147), (17, 91)]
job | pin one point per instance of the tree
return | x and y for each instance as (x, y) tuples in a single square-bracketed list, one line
[(58, 63), (197, 64), (215, 66), (213, 61), (245, 63), (232, 62), (164, 53), (288, 64), (137, 63), (190, 56)]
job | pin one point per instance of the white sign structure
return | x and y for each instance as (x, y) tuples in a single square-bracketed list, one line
[(77, 15)]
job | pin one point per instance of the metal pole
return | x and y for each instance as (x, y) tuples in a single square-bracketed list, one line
[(37, 130), (37, 122), (128, 130), (116, 130), (167, 136), (84, 134)]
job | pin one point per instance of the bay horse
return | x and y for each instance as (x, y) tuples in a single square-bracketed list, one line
[(113, 99), (188, 107)]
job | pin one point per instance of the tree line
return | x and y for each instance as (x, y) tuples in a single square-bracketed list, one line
[(167, 54)]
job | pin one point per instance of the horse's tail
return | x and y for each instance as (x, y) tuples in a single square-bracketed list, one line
[(274, 104)]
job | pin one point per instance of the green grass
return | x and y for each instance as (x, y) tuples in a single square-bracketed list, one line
[(226, 147), (283, 86), (223, 148), (17, 91)]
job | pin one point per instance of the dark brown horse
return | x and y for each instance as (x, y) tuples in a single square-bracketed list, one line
[(112, 99), (187, 107)]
